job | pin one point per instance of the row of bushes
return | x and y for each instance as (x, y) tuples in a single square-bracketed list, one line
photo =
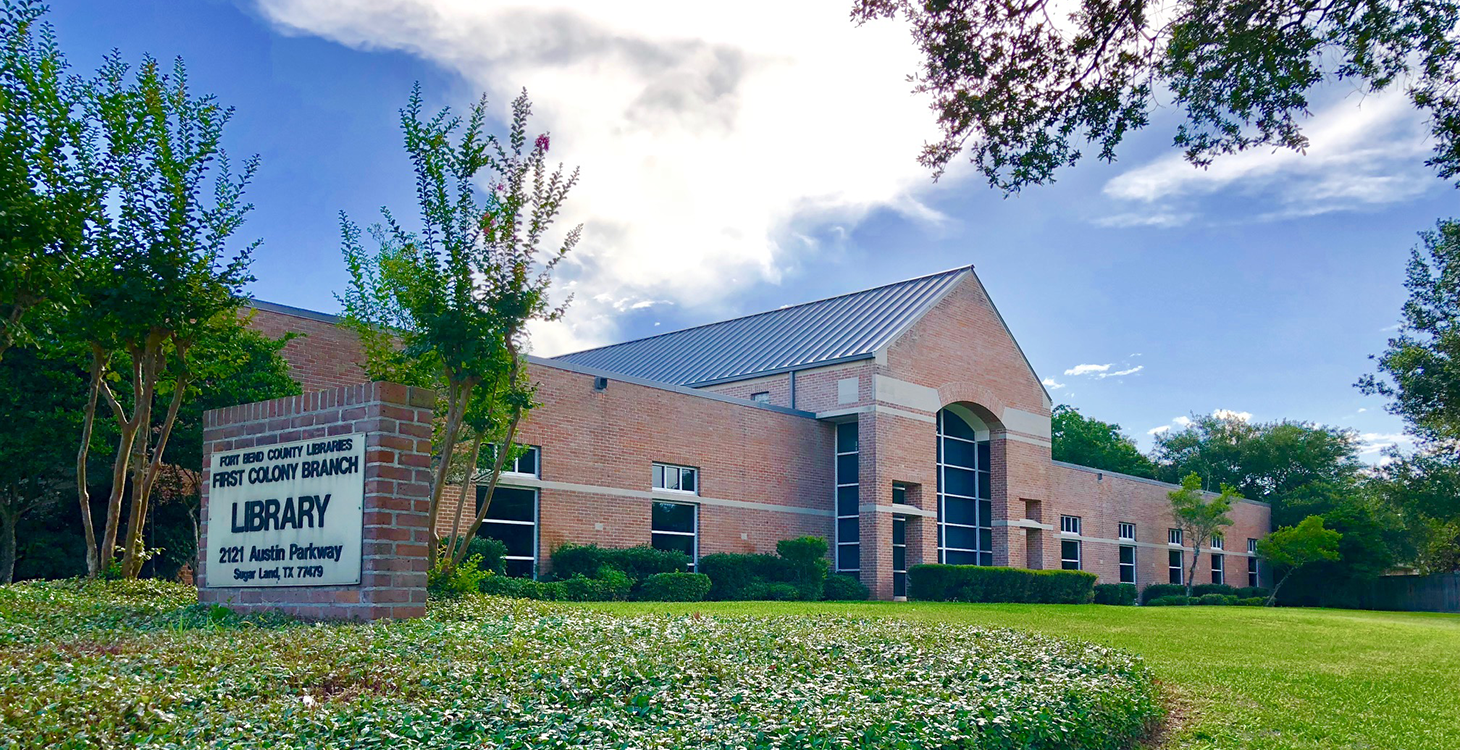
[(609, 585), (974, 583), (1208, 600), (1159, 590)]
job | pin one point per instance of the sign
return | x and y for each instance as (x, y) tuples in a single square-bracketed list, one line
[(288, 514)]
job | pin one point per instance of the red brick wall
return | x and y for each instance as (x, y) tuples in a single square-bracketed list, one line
[(324, 355), (397, 423)]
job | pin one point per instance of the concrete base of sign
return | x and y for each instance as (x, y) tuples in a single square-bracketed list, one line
[(396, 422)]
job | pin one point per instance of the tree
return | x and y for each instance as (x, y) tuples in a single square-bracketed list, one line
[(1298, 467), (157, 278), (1099, 445), (1199, 517), (1025, 90), (48, 173), (1296, 546), (1419, 371), (448, 305)]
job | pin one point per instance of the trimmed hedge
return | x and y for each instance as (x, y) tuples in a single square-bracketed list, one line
[(1253, 601), (797, 572), (976, 583), (1253, 592), (1218, 600), (1119, 594), (844, 587), (579, 588), (1170, 601), (637, 563), (674, 587), (732, 575), (1158, 590)]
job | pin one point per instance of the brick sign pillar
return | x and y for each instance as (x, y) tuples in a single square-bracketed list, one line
[(369, 447)]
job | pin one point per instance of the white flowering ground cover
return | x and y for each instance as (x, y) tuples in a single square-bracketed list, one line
[(142, 665)]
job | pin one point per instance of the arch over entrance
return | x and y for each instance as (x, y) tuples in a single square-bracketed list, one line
[(965, 487)]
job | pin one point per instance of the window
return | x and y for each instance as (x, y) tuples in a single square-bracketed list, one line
[(1252, 573), (899, 494), (675, 526), (1128, 531), (1069, 524), (1127, 564), (512, 520), (1173, 565), (1174, 537), (965, 505), (1218, 541), (848, 530), (525, 464), (1251, 546), (899, 556), (1219, 573), (764, 397), (677, 478), (1070, 554)]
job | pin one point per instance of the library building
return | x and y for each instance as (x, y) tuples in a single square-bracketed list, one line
[(901, 423)]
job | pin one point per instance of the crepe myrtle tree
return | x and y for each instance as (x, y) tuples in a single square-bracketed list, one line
[(447, 304), (157, 279), (1296, 546), (1199, 517), (49, 174), (1027, 87)]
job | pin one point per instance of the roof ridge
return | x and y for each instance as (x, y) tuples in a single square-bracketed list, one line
[(712, 324)]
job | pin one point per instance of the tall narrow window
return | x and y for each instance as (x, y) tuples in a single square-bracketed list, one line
[(1174, 566), (1252, 570), (1127, 563), (675, 526), (1070, 554), (899, 556), (1218, 542), (965, 505), (512, 520), (1219, 569), (848, 531)]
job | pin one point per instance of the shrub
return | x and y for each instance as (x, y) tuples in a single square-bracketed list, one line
[(492, 552), (1158, 590), (974, 583), (1120, 594), (1253, 592), (520, 588), (450, 582), (581, 588), (1253, 601), (844, 587), (1202, 589), (1212, 600), (806, 564), (772, 592), (637, 563), (674, 587), (732, 575), (1170, 601)]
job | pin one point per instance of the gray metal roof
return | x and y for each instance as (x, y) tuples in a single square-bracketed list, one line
[(838, 329)]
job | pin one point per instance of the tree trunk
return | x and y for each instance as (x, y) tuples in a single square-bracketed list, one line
[(491, 483), (463, 496), (146, 473), (8, 522), (1272, 595), (93, 558), (459, 393), (1191, 575)]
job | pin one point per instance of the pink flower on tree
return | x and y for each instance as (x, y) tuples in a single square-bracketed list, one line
[(542, 141)]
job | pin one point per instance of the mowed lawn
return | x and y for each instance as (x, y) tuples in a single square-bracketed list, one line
[(1240, 677)]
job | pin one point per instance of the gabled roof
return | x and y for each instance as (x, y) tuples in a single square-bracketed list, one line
[(813, 334)]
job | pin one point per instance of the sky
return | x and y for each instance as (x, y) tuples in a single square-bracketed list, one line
[(743, 156)]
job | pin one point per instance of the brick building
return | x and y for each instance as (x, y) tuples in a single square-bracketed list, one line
[(902, 423)]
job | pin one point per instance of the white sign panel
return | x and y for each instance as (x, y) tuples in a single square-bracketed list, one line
[(287, 515)]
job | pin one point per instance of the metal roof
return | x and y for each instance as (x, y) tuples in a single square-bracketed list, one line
[(838, 329)]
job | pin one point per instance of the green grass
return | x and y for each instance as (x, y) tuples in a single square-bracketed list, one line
[(1241, 677)]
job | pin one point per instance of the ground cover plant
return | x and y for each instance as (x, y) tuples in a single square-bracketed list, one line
[(142, 665), (1254, 678)]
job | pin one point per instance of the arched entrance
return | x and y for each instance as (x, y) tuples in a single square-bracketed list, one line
[(965, 488)]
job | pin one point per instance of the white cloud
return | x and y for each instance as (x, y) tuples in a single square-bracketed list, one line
[(1362, 151), (1240, 416), (1182, 421), (1373, 443), (1050, 384), (1086, 369), (1118, 373), (711, 141), (1162, 430), (1100, 372)]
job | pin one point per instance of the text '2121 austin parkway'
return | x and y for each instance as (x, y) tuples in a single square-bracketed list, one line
[(288, 514)]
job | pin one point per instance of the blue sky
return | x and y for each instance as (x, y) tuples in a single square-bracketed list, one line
[(733, 165)]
